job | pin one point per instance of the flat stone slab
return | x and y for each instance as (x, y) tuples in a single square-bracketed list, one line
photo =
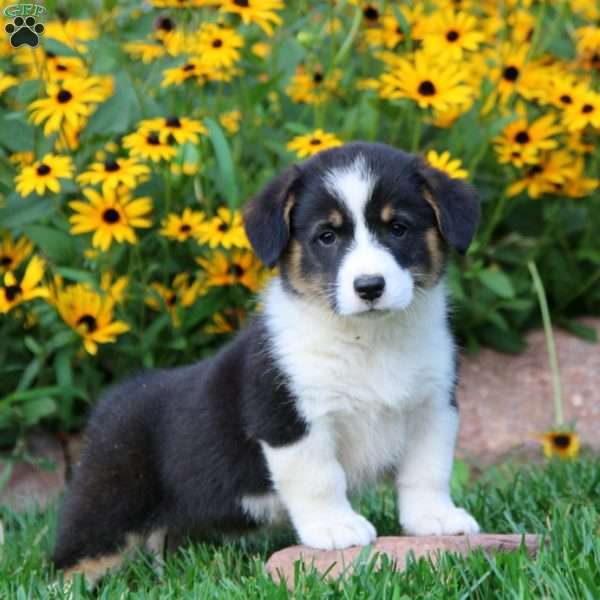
[(334, 563)]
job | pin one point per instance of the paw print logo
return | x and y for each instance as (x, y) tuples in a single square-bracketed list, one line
[(24, 31)]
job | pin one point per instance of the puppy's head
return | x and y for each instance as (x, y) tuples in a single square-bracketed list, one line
[(361, 227)]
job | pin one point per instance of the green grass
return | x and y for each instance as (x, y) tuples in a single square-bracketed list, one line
[(560, 501)]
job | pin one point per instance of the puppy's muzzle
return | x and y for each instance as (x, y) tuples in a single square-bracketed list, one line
[(369, 287)]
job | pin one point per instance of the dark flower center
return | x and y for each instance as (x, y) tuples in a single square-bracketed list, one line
[(370, 13), (426, 88), (64, 96), (217, 43), (61, 67), (223, 227), (12, 291), (315, 142), (535, 170), (185, 228), (5, 261), (110, 215), (171, 300), (587, 108), (561, 441), (89, 322), (43, 169), (522, 137), (173, 122), (511, 73), (236, 270), (188, 67), (318, 77), (566, 99), (242, 3), (110, 166), (153, 139), (165, 24), (515, 154), (452, 35), (50, 54)]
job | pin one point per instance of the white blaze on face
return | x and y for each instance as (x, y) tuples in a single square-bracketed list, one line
[(353, 185)]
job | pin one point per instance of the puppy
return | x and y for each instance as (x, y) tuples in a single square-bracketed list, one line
[(348, 372)]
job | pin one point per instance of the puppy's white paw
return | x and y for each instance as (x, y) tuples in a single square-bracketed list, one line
[(441, 520), (338, 530)]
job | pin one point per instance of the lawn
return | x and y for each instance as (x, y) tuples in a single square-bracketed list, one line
[(561, 501)]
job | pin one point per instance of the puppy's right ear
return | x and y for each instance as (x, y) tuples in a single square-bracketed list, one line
[(267, 216)]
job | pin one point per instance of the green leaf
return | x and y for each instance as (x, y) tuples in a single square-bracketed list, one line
[(498, 282), (579, 329), (77, 275), (18, 211), (54, 243), (58, 48), (35, 410), (226, 182), (17, 133)]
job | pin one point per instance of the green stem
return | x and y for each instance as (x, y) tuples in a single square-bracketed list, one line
[(552, 356)]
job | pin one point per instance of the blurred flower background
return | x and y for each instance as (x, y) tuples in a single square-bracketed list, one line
[(134, 133)]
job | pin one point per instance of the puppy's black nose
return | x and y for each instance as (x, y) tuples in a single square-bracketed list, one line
[(369, 287)]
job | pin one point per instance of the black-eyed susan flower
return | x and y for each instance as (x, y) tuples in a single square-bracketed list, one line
[(387, 32), (576, 184), (584, 111), (430, 83), (228, 321), (231, 121), (147, 52), (7, 81), (226, 229), (44, 175), (178, 129), (311, 143), (588, 46), (564, 444), (522, 142), (450, 33), (183, 227), (261, 12), (15, 292), (184, 291), (72, 32), (13, 252), (114, 172), (114, 214), (148, 145), (188, 70), (114, 287), (242, 267), (553, 169), (90, 314), (444, 162), (218, 46), (71, 101), (22, 159), (313, 86)]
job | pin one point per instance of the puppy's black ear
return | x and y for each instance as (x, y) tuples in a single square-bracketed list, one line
[(455, 204), (267, 216)]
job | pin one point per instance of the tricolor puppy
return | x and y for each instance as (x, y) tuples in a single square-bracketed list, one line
[(348, 372)]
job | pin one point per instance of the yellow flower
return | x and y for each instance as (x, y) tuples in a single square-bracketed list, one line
[(218, 46), (44, 175), (522, 142), (228, 321), (7, 81), (70, 102), (16, 292), (256, 11), (90, 314), (583, 111), (13, 253), (115, 290), (226, 229), (113, 215), (312, 87), (450, 33), (431, 84), (114, 172), (22, 159), (179, 129), (553, 170), (311, 143), (242, 267), (148, 145), (183, 293), (576, 184), (231, 121), (183, 227), (72, 32), (562, 444), (444, 162), (261, 49), (146, 51)]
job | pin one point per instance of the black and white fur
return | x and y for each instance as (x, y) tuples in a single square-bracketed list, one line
[(348, 372)]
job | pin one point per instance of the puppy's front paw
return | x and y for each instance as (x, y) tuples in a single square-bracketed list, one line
[(438, 520), (337, 530)]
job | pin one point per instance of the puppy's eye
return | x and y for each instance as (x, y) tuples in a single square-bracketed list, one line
[(327, 237), (398, 229)]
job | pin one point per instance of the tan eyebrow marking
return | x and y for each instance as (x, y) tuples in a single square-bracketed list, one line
[(336, 218), (387, 213)]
